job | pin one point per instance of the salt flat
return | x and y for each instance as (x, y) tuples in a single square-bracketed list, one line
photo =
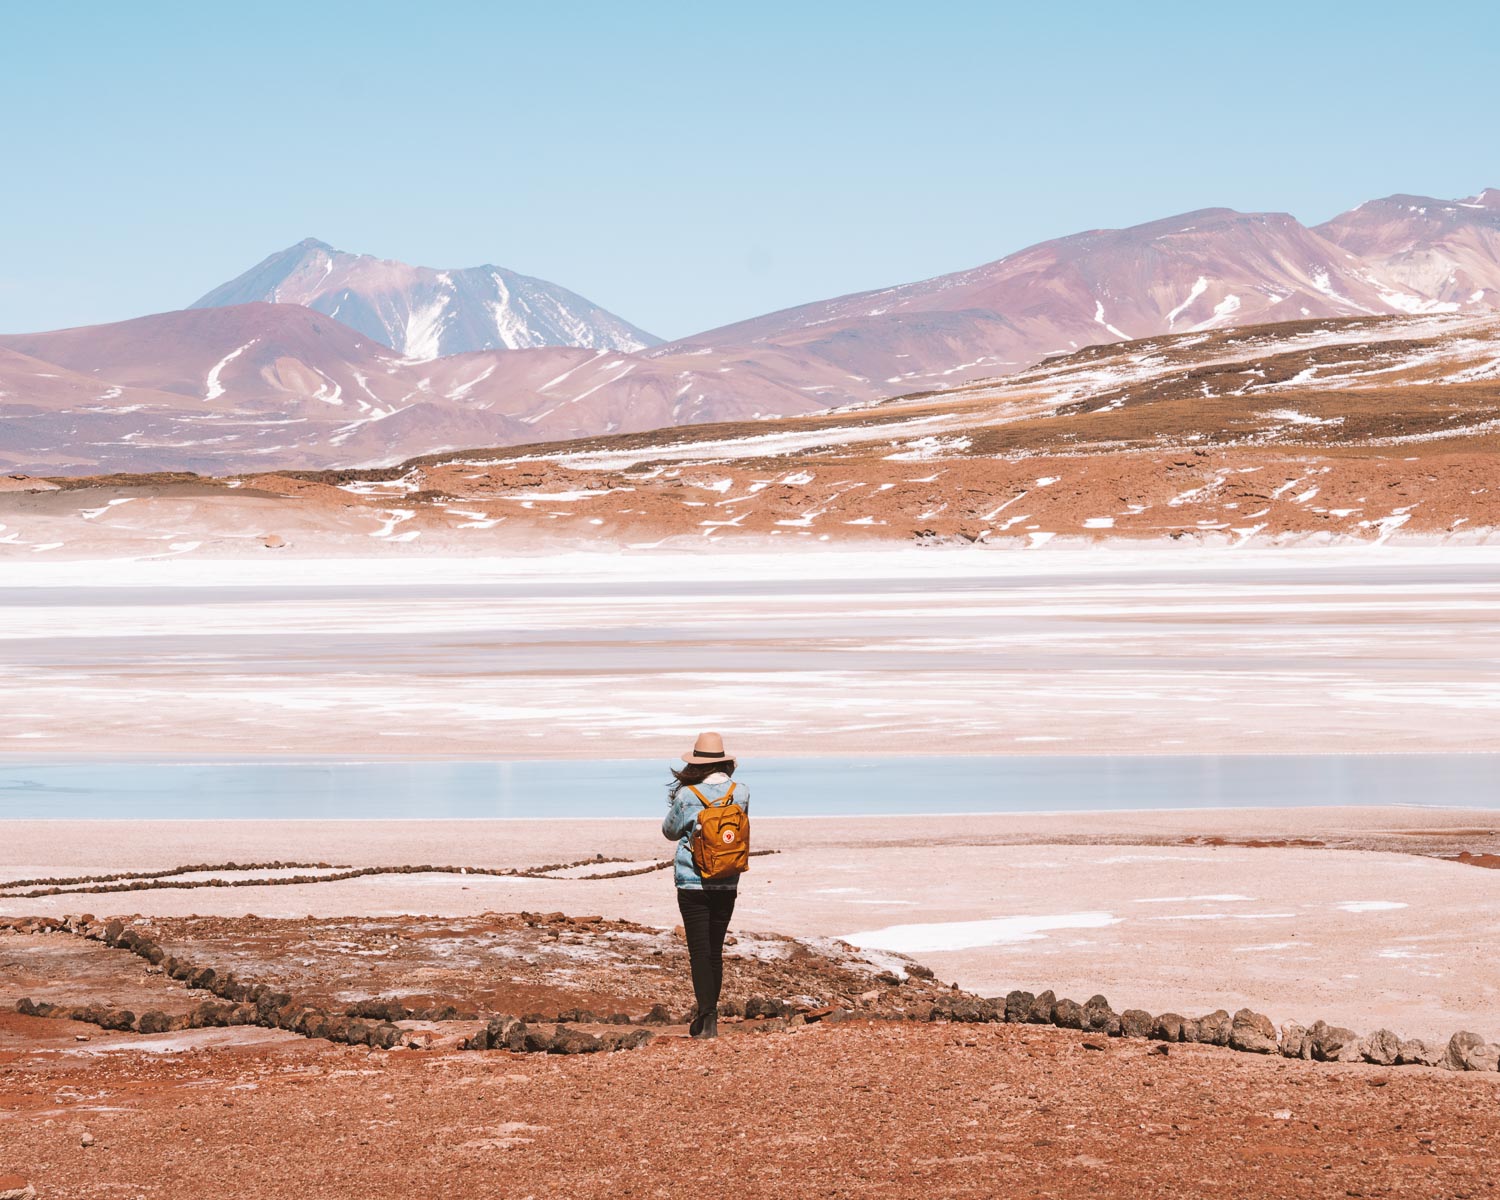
[(1369, 649)]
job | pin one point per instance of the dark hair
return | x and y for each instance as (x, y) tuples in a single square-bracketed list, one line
[(692, 774)]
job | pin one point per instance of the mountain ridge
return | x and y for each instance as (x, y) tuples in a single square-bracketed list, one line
[(427, 312)]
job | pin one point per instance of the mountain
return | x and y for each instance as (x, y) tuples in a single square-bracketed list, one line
[(1314, 431), (1202, 270), (1438, 255), (424, 313), (236, 388), (226, 388)]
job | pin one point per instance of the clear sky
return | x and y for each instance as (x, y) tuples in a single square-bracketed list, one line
[(690, 164)]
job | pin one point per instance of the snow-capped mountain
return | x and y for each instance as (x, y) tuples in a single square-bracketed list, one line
[(424, 313), (1202, 270), (220, 388)]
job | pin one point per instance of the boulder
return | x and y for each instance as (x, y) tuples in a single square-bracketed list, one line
[(660, 1015), (154, 1021), (964, 1008), (515, 1038), (1296, 1042), (1415, 1052), (1098, 1017), (568, 1040), (1252, 1033), (1470, 1052), (739, 1010), (1334, 1043), (495, 1035), (1212, 1030), (536, 1040), (1041, 1008), (1169, 1027), (1382, 1048), (203, 977), (1067, 1014), (384, 1036), (1136, 1023), (634, 1039), (1018, 1006)]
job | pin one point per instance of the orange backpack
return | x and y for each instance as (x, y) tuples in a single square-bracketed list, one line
[(721, 845)]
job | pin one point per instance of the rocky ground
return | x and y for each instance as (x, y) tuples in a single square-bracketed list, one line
[(837, 1099)]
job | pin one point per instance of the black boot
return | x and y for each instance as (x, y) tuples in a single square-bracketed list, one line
[(705, 1026)]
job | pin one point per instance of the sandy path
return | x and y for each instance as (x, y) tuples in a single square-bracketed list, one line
[(1117, 652), (1365, 937)]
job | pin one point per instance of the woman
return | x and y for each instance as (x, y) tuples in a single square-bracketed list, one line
[(706, 904)]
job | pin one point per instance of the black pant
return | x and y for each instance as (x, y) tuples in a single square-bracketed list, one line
[(705, 921)]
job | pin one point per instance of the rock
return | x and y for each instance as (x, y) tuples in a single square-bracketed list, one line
[(1169, 1027), (495, 1035), (1041, 1008), (203, 977), (727, 1008), (154, 1021), (16, 1187), (1296, 1042), (918, 971), (1136, 1023), (634, 1040), (515, 1038), (960, 1008), (1212, 1030), (889, 978), (1470, 1052), (112, 932), (1417, 1053), (660, 1015), (1334, 1043), (86, 1138), (1382, 1048), (1018, 1006), (357, 1033), (1098, 1017), (1252, 1033), (384, 1036), (1067, 1014), (568, 1040), (624, 1018), (536, 1040)]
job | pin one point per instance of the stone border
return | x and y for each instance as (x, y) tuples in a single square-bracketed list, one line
[(372, 1022), (242, 1003), (145, 881), (1246, 1031)]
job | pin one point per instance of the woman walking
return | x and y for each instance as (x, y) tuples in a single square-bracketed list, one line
[(708, 818)]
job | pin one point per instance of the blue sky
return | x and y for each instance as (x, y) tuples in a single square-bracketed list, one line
[(691, 164)]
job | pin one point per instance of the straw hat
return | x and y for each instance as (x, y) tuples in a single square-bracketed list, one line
[(709, 748)]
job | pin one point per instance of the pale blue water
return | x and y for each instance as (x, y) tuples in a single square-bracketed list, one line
[(781, 786)]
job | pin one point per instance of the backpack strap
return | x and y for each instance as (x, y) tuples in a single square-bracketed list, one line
[(703, 800)]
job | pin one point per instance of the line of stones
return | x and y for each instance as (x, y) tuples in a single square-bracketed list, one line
[(372, 1022), (242, 1003), (149, 882), (142, 881), (1246, 1031)]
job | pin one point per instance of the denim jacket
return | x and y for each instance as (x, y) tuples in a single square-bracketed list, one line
[(682, 818)]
